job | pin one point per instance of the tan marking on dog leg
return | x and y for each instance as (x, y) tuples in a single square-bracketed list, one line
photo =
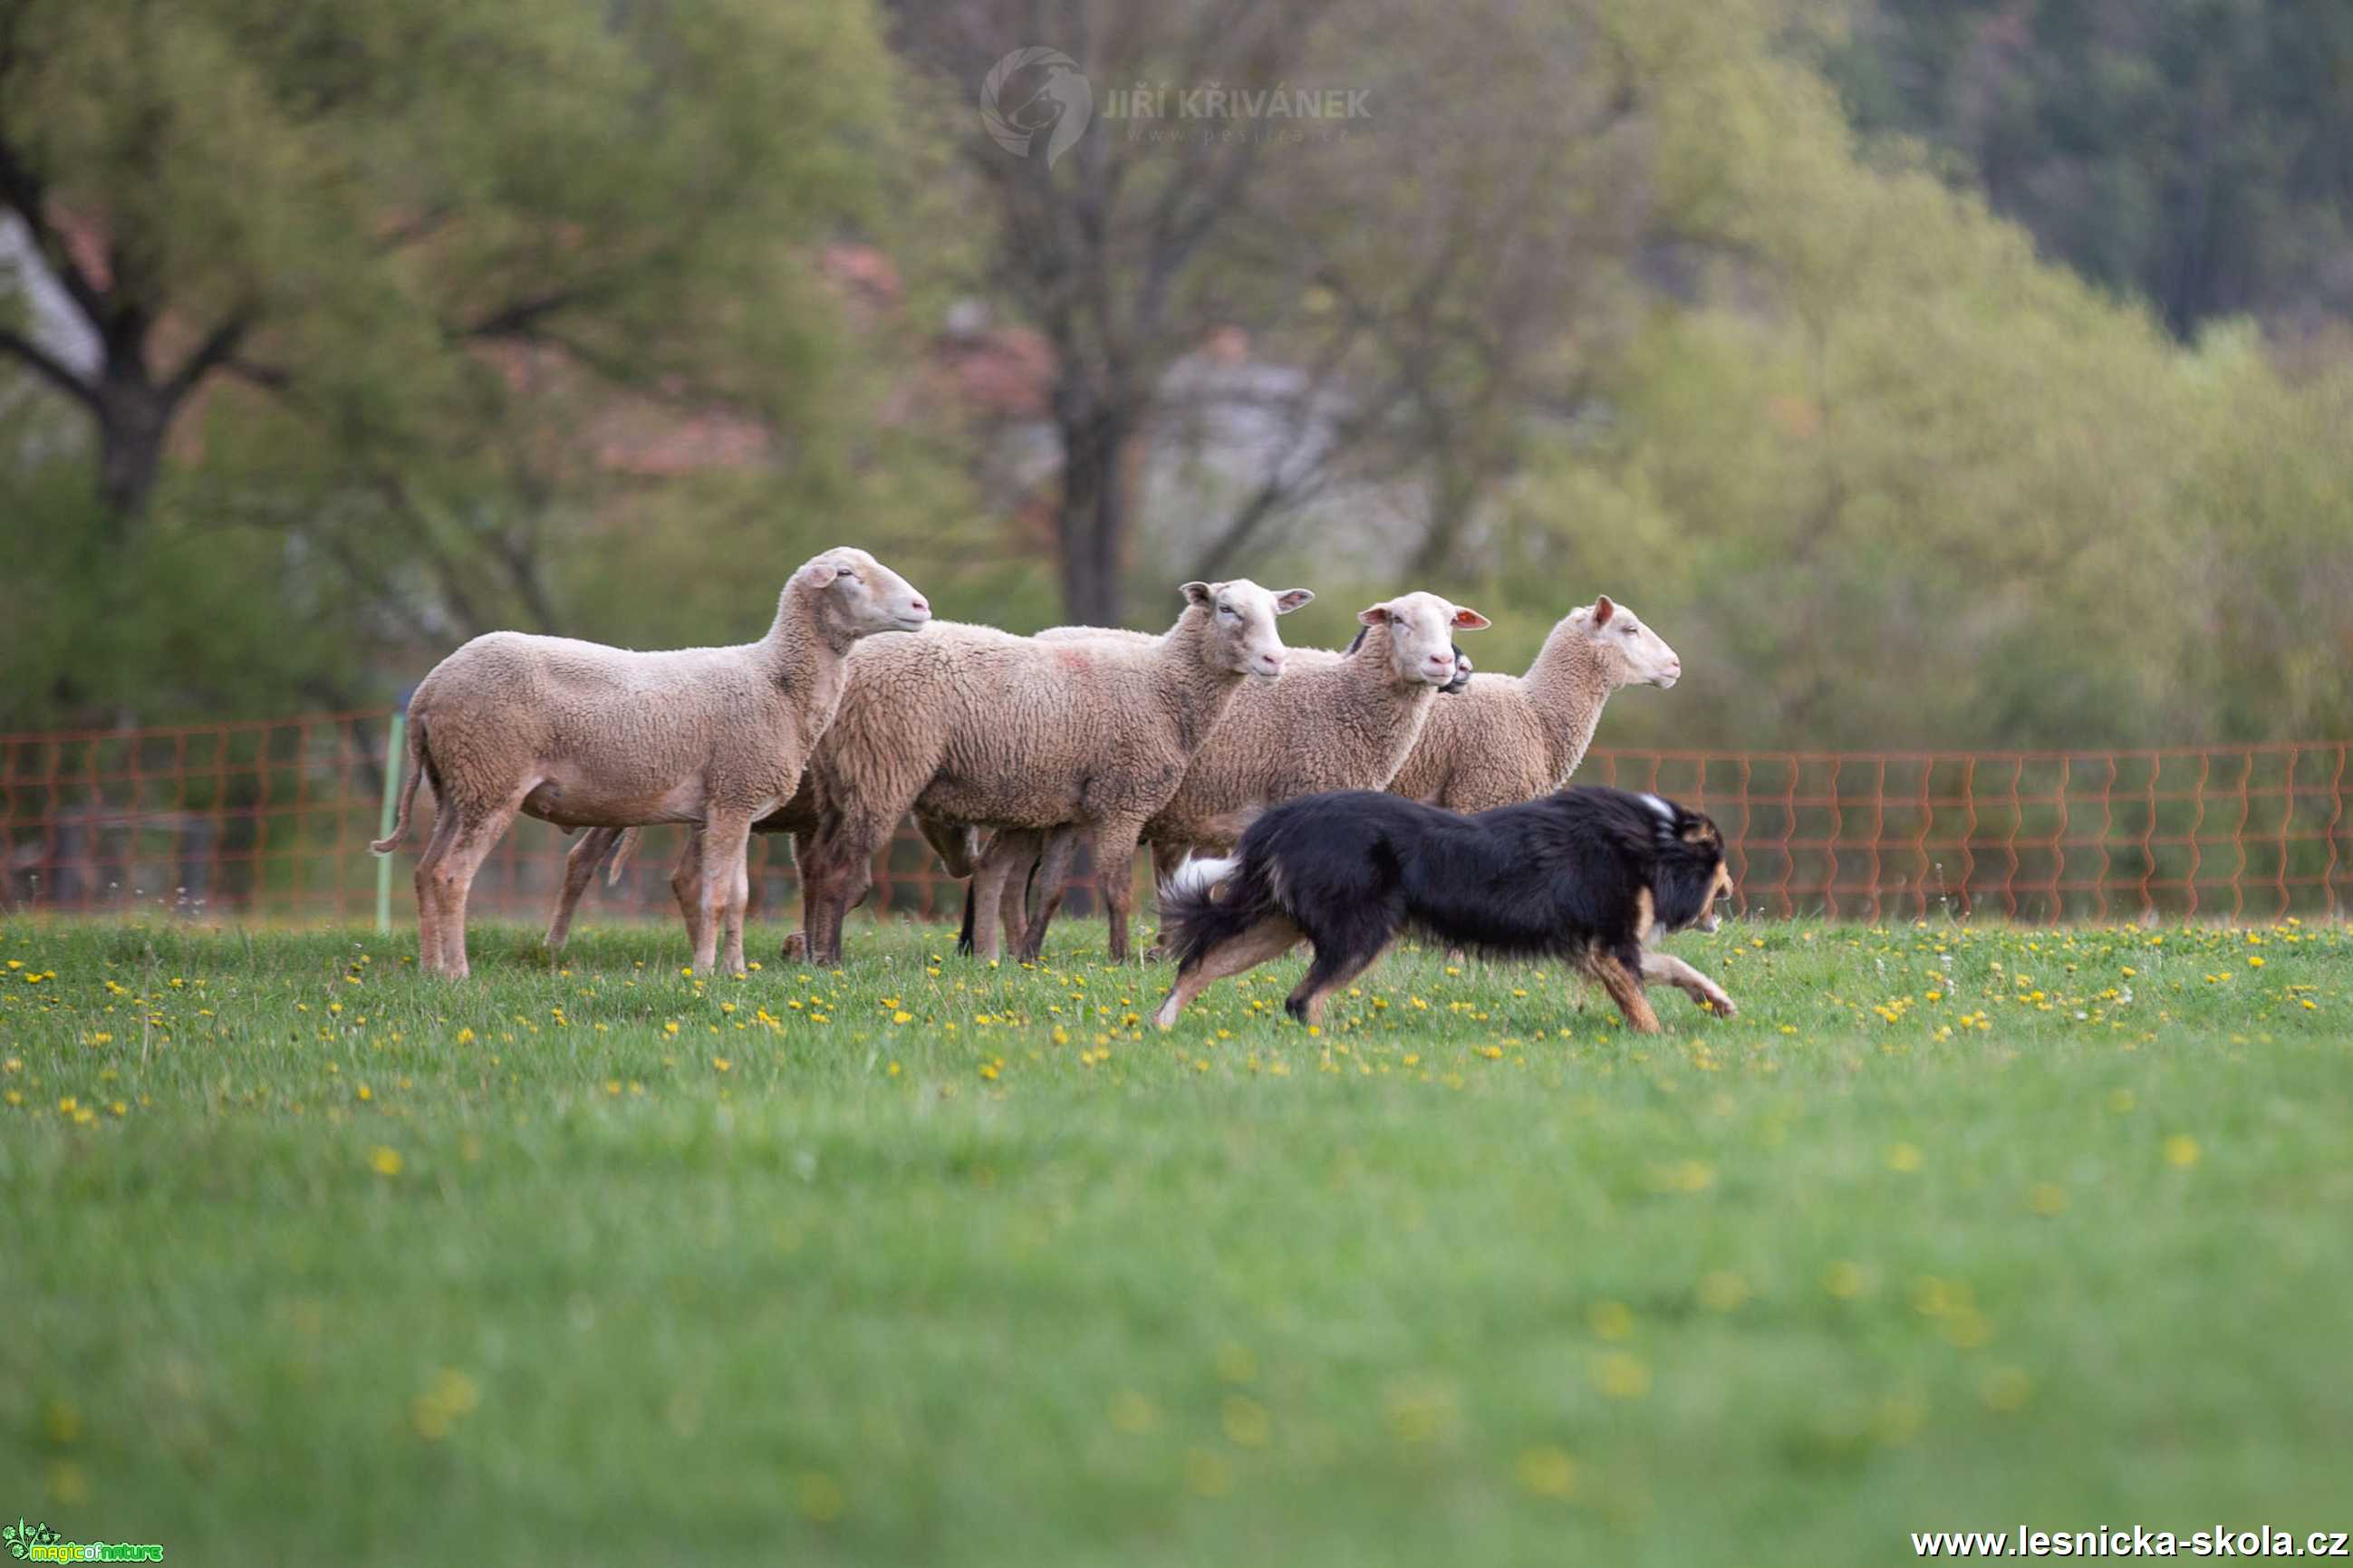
[(1311, 1003), (1269, 938), (1626, 990), (1646, 915), (1666, 967)]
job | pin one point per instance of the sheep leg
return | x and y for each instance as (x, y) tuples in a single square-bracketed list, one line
[(1269, 940), (838, 870), (1053, 872), (1013, 903), (429, 917), (731, 927), (580, 867), (1625, 988), (686, 887), (478, 833), (1009, 850), (726, 839), (1665, 966), (1115, 875), (1165, 859)]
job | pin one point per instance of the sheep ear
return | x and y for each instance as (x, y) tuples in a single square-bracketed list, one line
[(1373, 615), (1291, 599), (1196, 592), (1470, 620), (1603, 610), (815, 574)]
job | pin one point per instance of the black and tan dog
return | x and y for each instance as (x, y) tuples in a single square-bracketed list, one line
[(1586, 876)]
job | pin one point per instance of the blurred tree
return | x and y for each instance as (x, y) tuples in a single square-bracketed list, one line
[(2197, 152), (1441, 257), (373, 209)]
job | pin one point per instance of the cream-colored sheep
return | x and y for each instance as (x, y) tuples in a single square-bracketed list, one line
[(1503, 739), (584, 735), (1335, 721), (970, 725)]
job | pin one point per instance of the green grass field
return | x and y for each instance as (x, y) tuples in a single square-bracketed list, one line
[(305, 1257)]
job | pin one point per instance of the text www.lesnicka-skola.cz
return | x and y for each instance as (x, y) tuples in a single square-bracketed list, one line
[(2218, 1541)]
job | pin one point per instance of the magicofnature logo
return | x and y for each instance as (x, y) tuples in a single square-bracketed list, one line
[(34, 1542)]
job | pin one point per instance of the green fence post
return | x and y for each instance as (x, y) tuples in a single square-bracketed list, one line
[(395, 750)]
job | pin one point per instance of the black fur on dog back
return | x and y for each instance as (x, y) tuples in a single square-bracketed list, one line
[(1561, 877)]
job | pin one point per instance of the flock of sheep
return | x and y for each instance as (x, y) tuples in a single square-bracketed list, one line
[(1009, 751)]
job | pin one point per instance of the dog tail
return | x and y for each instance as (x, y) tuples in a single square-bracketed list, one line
[(1205, 902)]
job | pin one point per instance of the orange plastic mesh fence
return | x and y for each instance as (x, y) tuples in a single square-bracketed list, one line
[(271, 821)]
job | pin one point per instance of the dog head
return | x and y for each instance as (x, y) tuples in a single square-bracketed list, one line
[(1692, 877)]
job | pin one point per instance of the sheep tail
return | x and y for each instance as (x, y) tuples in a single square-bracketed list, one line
[(1206, 902), (623, 847), (416, 770)]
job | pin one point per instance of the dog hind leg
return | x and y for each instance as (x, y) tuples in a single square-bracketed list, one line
[(1269, 938)]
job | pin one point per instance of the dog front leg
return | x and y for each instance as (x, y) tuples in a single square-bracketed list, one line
[(1666, 967)]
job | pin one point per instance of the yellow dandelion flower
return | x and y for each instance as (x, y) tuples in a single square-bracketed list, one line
[(821, 1497), (384, 1162), (1609, 1319), (2006, 1389), (1846, 1280), (1722, 1290), (2181, 1150), (1619, 1375), (1547, 1471)]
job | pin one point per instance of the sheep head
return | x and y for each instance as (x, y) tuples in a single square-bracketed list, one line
[(855, 596), (1242, 635), (1638, 655), (1421, 635)]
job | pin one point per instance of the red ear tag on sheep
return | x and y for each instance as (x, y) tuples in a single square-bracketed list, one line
[(1469, 621)]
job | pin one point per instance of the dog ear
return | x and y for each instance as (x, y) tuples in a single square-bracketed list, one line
[(1700, 830)]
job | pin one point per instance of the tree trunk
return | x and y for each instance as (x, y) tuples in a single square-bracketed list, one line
[(1090, 524), (133, 416)]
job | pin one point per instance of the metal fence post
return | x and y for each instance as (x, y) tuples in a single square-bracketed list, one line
[(394, 754)]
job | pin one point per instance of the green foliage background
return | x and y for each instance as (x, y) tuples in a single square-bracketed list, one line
[(1886, 468)]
